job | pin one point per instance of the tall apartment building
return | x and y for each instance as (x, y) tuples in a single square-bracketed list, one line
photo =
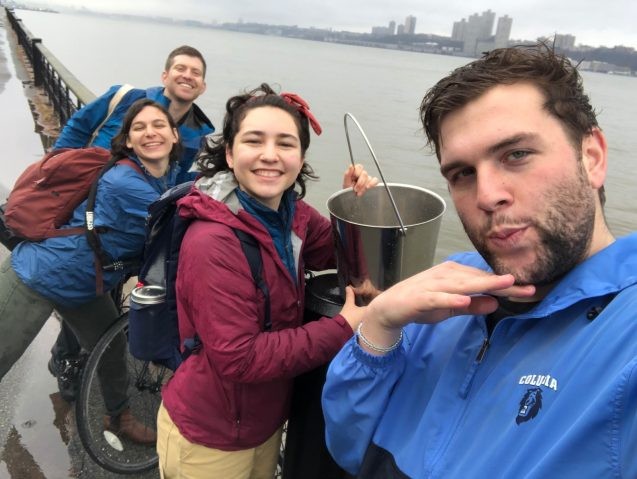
[(478, 27), (503, 32), (457, 33), (476, 32), (564, 41), (410, 24)]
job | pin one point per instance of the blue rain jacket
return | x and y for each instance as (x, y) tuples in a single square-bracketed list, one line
[(80, 127), (62, 269), (555, 395)]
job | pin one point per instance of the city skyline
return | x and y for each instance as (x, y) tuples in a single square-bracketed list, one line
[(532, 19)]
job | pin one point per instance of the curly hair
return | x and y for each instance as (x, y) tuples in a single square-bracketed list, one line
[(212, 157)]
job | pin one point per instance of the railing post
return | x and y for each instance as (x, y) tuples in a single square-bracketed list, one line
[(38, 63), (61, 86), (19, 31)]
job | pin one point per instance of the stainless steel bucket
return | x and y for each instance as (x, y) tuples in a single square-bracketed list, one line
[(385, 236)]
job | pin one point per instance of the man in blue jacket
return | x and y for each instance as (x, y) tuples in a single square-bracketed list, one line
[(183, 81), (519, 360)]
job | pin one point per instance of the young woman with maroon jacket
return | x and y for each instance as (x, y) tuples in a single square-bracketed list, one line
[(223, 410)]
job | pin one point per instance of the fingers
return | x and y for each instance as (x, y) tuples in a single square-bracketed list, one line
[(352, 313), (516, 291), (350, 297), (446, 290), (360, 181)]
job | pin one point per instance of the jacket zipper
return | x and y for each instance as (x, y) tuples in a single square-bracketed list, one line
[(483, 351)]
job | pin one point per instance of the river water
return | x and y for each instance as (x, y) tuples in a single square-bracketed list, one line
[(381, 88)]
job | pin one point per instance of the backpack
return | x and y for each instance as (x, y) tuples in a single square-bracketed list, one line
[(48, 191), (153, 328)]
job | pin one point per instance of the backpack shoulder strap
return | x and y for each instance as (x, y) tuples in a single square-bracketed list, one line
[(102, 262), (253, 255), (251, 251), (131, 164), (119, 94)]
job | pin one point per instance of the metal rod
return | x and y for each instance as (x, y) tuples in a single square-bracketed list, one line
[(371, 150)]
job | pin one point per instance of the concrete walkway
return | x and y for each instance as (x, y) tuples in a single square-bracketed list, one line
[(37, 434)]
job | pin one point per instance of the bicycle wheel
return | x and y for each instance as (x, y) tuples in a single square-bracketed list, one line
[(113, 453)]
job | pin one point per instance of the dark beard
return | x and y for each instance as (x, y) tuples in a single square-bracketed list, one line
[(558, 253), (565, 234)]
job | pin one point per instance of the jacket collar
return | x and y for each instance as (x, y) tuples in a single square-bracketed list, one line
[(608, 271)]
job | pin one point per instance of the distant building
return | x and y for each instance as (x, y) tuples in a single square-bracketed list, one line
[(503, 32), (564, 42), (400, 29), (604, 67), (410, 24), (457, 33), (388, 30), (476, 33)]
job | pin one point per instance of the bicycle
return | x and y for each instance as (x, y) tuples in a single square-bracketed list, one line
[(113, 453)]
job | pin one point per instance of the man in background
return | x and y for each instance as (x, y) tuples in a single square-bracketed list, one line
[(95, 124)]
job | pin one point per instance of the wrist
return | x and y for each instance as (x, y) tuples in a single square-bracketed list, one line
[(378, 341)]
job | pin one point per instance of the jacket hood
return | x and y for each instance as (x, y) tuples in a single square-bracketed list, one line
[(225, 208), (221, 188)]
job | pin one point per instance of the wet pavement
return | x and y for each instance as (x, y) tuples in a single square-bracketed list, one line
[(37, 428)]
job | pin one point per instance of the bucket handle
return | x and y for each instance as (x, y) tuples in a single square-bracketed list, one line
[(371, 150)]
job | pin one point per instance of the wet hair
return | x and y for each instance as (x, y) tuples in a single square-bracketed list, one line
[(538, 65), (118, 143), (188, 51), (212, 157)]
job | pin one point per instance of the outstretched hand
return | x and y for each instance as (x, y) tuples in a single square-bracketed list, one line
[(360, 181), (446, 290)]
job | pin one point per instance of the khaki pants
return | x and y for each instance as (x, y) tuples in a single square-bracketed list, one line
[(181, 459)]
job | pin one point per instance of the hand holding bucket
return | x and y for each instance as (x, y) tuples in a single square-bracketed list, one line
[(384, 236)]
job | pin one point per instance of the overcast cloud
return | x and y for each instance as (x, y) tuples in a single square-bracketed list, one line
[(591, 21)]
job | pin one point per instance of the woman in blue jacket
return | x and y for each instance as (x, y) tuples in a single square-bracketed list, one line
[(59, 273)]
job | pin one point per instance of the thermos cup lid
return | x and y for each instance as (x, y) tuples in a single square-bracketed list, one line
[(149, 294)]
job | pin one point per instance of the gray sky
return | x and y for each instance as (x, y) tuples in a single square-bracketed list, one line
[(592, 22)]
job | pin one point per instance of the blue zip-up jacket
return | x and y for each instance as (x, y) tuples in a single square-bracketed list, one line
[(62, 269), (80, 127), (554, 396)]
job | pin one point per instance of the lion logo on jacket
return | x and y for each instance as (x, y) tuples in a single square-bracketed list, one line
[(530, 405)]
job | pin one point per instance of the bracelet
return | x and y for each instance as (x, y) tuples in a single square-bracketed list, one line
[(375, 347)]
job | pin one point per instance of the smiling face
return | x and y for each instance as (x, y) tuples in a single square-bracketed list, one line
[(526, 196), (184, 80), (266, 154), (151, 137)]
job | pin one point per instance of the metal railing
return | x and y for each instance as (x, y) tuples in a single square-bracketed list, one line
[(66, 92)]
